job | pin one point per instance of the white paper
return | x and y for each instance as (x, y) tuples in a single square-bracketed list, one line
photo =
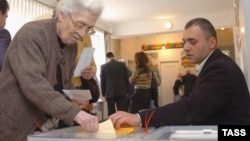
[(84, 60), (106, 130), (106, 127), (78, 95)]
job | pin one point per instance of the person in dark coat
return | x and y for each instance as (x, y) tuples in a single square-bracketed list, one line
[(114, 84), (5, 39), (188, 82), (5, 36), (177, 88), (220, 94), (131, 86), (155, 83)]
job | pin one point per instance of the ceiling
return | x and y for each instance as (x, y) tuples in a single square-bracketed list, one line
[(120, 12)]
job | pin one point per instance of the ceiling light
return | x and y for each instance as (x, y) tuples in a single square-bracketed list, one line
[(168, 25), (242, 30)]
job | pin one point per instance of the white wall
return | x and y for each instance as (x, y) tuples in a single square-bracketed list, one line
[(128, 46), (156, 27), (243, 51)]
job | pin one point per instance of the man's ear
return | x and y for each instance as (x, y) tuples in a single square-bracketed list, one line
[(212, 43)]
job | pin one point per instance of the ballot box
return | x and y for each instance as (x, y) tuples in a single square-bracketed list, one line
[(77, 134), (183, 133)]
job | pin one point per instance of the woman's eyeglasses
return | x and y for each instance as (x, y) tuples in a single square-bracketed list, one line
[(79, 27)]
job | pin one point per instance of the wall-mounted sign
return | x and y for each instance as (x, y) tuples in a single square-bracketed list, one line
[(162, 46)]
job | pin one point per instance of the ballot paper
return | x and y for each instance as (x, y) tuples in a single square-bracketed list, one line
[(106, 130), (106, 127), (78, 95), (84, 60)]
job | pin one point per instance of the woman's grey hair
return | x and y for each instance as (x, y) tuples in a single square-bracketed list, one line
[(72, 6)]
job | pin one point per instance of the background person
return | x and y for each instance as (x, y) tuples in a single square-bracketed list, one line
[(220, 93), (114, 84), (41, 53), (141, 78), (188, 82), (155, 83), (131, 86), (178, 87), (5, 37)]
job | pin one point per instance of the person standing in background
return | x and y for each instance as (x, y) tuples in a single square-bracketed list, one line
[(155, 83), (131, 86), (188, 82), (141, 78), (5, 37), (131, 89), (41, 56), (114, 84), (178, 87)]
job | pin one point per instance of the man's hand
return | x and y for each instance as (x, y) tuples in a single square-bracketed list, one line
[(123, 118)]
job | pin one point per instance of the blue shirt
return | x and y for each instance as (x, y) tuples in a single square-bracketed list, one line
[(5, 39)]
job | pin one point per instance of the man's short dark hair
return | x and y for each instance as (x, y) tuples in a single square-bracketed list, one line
[(4, 6), (205, 25), (109, 55)]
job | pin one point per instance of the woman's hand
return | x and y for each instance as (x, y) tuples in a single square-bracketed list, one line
[(87, 121), (81, 104), (88, 72)]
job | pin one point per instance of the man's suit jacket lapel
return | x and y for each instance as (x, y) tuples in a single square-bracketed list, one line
[(211, 58)]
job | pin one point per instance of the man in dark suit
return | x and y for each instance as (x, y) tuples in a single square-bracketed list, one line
[(114, 84), (220, 94), (5, 37), (188, 81)]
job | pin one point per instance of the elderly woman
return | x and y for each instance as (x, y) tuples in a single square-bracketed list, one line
[(40, 54)]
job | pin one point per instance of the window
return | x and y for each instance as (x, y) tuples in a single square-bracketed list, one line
[(99, 55)]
